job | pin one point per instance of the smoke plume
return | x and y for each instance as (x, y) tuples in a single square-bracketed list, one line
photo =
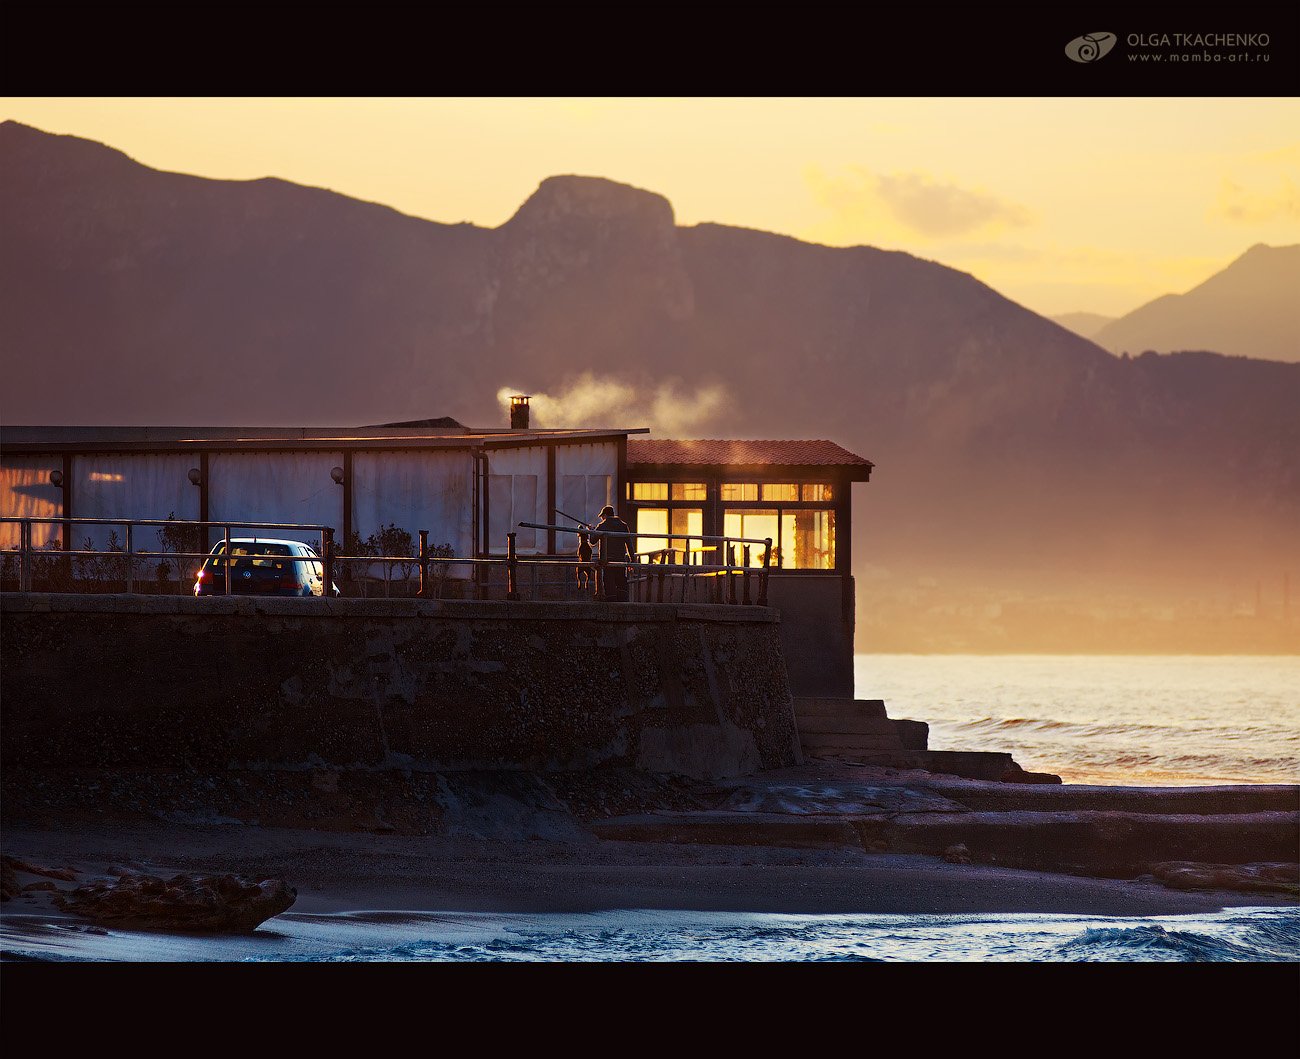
[(671, 408)]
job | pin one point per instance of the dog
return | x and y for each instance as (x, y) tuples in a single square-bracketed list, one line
[(584, 572)]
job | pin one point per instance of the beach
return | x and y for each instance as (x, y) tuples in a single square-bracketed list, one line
[(829, 860), (523, 866)]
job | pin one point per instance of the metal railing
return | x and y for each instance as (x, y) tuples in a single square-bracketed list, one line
[(660, 576), (726, 573), (130, 555)]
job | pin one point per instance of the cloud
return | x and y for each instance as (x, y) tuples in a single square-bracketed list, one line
[(944, 209), (918, 202), (1251, 206), (591, 401)]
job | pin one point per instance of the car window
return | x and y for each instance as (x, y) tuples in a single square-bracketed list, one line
[(250, 550)]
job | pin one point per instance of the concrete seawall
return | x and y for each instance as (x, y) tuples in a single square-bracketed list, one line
[(175, 682)]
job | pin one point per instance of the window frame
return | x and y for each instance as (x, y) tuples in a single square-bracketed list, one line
[(713, 502)]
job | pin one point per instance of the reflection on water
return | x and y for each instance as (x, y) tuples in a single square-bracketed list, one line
[(1144, 719), (1241, 934)]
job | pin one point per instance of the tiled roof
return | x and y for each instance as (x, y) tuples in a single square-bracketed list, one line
[(748, 453)]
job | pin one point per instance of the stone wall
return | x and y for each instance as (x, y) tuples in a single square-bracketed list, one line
[(816, 631), (167, 682)]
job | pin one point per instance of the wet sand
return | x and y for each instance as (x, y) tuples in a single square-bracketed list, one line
[(348, 872)]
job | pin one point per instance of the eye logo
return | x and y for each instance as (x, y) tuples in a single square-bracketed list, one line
[(1090, 47)]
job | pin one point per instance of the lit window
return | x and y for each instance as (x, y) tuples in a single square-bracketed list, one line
[(652, 529), (658, 528), (688, 491), (687, 523), (739, 491), (757, 525), (819, 491), (808, 540), (783, 491), (649, 490)]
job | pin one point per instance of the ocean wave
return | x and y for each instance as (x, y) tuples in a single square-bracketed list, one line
[(1243, 935), (1038, 724), (1156, 944)]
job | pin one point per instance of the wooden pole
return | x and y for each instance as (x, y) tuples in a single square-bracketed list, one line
[(424, 563), (745, 576), (25, 555), (327, 590), (762, 584), (512, 562)]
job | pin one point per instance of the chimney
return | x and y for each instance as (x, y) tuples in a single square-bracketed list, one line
[(519, 412)]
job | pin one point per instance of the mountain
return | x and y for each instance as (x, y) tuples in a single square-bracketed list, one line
[(1014, 458), (1084, 324), (1248, 309)]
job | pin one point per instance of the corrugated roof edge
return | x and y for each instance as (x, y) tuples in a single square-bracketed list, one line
[(36, 439)]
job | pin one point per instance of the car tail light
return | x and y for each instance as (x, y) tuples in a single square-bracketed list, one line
[(288, 581), (203, 575)]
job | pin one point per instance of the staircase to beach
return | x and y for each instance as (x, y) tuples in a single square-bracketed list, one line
[(861, 730)]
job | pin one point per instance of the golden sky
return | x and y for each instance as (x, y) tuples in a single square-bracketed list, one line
[(1061, 204)]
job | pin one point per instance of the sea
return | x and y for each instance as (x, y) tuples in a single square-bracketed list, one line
[(1101, 720), (1146, 720), (1236, 935)]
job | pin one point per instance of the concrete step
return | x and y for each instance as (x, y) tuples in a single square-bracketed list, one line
[(881, 743), (1187, 801), (1106, 844), (971, 764), (1109, 844), (914, 735), (817, 706), (875, 732), (873, 726), (863, 733)]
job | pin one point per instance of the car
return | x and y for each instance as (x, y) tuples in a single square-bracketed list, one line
[(262, 567)]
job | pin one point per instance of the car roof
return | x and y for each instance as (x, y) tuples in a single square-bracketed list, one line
[(256, 540)]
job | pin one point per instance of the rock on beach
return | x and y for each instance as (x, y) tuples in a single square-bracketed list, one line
[(185, 902)]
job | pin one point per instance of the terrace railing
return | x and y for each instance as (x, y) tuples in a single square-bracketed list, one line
[(670, 574)]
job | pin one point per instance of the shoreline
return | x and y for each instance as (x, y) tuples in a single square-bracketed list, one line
[(383, 859), (337, 872), (373, 898)]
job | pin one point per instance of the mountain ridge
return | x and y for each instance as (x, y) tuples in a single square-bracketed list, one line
[(1002, 441), (1246, 308)]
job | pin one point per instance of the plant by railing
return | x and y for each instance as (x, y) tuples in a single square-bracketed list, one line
[(96, 570), (180, 539), (388, 543)]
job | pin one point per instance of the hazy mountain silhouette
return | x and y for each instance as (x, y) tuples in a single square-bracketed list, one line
[(1084, 324), (1249, 309), (1011, 453)]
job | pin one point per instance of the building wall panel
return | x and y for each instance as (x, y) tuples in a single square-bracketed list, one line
[(26, 492)]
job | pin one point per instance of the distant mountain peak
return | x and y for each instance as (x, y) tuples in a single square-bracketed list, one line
[(19, 141), (1246, 308), (560, 199)]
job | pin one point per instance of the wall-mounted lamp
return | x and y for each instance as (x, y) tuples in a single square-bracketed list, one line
[(56, 478), (195, 477), (337, 474)]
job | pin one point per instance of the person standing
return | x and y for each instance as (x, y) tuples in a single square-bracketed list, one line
[(614, 553)]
